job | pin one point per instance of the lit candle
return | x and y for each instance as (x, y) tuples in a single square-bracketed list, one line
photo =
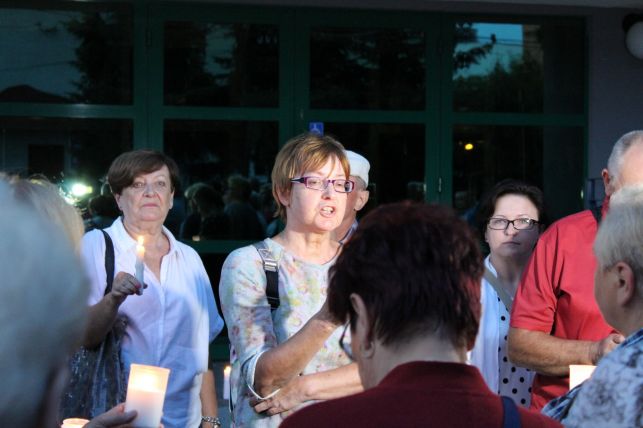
[(74, 423), (145, 394), (140, 261), (226, 383), (578, 373)]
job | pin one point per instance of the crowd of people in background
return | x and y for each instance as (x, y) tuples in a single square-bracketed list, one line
[(396, 319)]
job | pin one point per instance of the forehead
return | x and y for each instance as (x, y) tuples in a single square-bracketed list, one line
[(161, 172), (515, 203), (331, 166)]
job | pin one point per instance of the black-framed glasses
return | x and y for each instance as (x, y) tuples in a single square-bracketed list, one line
[(523, 223), (346, 347), (317, 183)]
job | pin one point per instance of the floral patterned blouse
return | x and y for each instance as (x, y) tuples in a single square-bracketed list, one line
[(253, 329)]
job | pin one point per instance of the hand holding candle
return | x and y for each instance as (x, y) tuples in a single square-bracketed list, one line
[(140, 264)]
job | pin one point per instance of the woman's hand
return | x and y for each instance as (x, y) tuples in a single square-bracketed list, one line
[(288, 397), (125, 285)]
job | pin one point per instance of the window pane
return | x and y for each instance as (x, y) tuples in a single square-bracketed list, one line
[(396, 154), (550, 158), (66, 56), (529, 68), (209, 64), (63, 149), (235, 159), (367, 68)]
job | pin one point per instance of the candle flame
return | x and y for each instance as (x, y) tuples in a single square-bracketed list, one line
[(227, 370), (140, 240)]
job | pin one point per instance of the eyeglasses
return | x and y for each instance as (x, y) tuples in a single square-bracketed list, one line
[(346, 348), (316, 183), (524, 223), (141, 186)]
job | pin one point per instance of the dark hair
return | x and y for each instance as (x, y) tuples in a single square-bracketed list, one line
[(509, 187), (129, 165), (417, 268)]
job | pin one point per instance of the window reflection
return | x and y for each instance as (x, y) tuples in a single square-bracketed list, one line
[(221, 64), (396, 154), (526, 68), (367, 68), (225, 169), (484, 155), (66, 56)]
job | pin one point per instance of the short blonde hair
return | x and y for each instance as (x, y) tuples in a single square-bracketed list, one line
[(303, 153), (45, 198)]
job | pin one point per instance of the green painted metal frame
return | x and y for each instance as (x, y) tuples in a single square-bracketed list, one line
[(148, 112)]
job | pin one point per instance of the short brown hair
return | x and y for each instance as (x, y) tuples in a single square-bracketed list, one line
[(129, 165), (303, 153), (417, 268)]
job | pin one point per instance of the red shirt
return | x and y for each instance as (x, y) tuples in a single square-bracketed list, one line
[(418, 394), (556, 294)]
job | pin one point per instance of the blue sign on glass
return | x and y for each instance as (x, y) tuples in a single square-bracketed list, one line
[(316, 127)]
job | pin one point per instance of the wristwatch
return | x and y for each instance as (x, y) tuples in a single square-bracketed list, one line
[(211, 420)]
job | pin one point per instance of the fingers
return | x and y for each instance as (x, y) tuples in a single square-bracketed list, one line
[(126, 285)]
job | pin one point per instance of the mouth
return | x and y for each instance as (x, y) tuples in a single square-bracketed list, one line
[(327, 211)]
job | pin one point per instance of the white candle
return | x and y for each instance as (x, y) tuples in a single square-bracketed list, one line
[(140, 261), (74, 423), (226, 383), (578, 373), (146, 393)]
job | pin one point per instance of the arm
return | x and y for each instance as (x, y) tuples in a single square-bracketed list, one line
[(115, 417), (209, 404), (551, 355), (279, 365), (317, 386)]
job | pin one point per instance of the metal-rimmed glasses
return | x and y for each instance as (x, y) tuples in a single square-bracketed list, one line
[(346, 347), (317, 183), (523, 223)]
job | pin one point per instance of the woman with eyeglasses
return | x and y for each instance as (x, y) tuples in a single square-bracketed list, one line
[(171, 316), (282, 358), (511, 218)]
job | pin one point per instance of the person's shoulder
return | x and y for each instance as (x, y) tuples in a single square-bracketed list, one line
[(323, 414), (91, 238), (580, 224)]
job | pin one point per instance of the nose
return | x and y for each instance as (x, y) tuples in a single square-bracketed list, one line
[(511, 229), (149, 189)]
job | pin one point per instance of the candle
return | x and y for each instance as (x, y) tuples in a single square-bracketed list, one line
[(140, 262), (145, 394), (226, 383), (578, 373), (74, 423)]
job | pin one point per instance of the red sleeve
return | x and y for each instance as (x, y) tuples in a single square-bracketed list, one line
[(534, 306)]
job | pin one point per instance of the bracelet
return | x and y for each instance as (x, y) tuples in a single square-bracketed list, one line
[(211, 420)]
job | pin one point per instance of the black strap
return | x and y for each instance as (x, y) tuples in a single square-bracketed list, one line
[(271, 269), (109, 261), (510, 415)]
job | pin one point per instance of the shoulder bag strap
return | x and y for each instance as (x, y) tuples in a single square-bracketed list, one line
[(109, 261), (491, 279), (271, 269), (510, 415)]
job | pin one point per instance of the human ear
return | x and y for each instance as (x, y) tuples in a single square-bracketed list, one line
[(362, 199), (626, 284)]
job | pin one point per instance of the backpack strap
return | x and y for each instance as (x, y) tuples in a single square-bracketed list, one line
[(491, 279), (510, 415), (271, 269), (109, 261)]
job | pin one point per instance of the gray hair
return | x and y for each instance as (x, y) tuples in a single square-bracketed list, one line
[(620, 236), (615, 161), (43, 293)]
